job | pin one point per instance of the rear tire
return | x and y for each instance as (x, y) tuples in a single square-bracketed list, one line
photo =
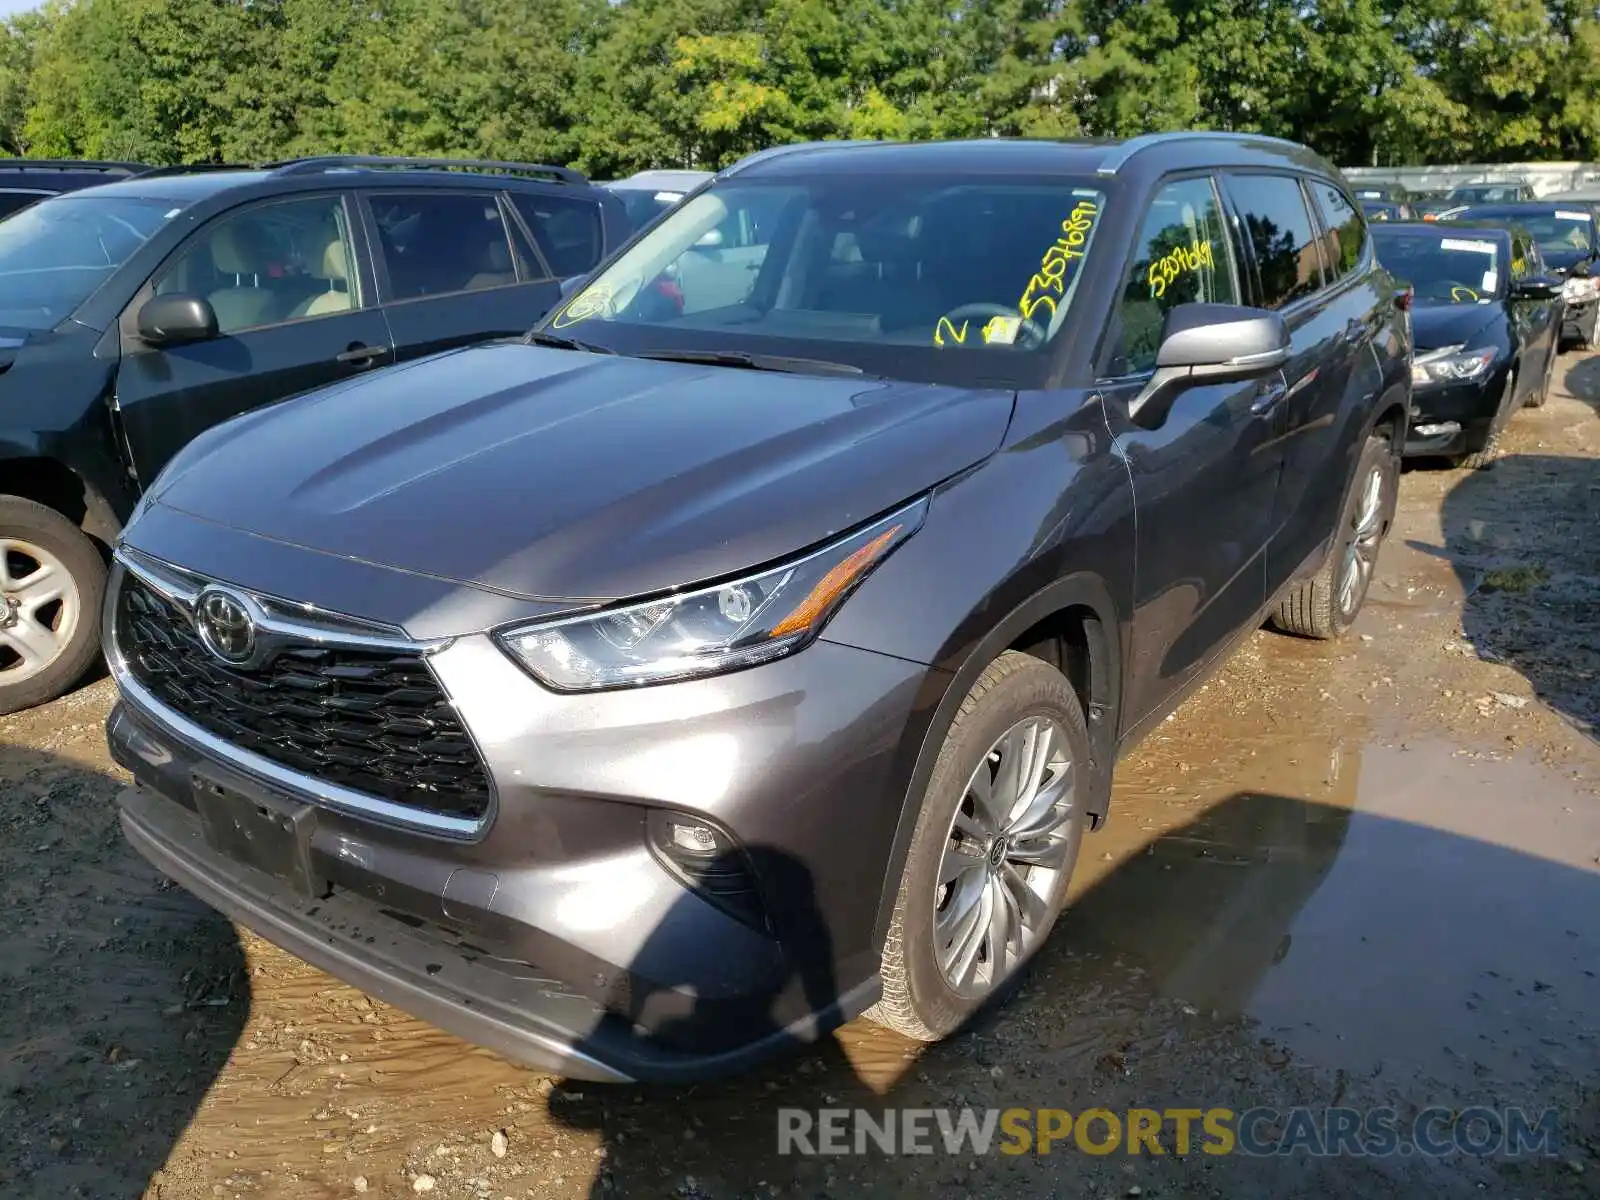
[(1325, 605), (52, 582), (1004, 868)]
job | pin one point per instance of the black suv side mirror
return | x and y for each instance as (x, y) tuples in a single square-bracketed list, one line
[(1210, 343), (572, 283), (1581, 269), (178, 317)]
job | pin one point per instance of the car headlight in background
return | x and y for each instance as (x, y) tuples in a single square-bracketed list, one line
[(1580, 290), (1450, 364), (712, 630)]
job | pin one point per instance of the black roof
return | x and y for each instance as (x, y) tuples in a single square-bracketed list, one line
[(1511, 208), (1436, 229), (1028, 156)]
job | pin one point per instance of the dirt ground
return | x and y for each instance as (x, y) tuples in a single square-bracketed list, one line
[(1362, 874)]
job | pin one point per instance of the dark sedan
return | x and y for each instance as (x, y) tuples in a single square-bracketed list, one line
[(1567, 239), (1484, 317)]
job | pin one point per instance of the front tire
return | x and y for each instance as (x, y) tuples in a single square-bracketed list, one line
[(993, 851), (52, 581), (1485, 454), (1326, 605)]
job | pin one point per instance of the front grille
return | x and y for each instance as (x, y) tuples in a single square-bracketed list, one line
[(374, 721)]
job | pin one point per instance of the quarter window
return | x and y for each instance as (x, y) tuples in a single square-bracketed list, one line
[(567, 231), (1183, 255), (442, 242), (269, 264), (1280, 232), (1346, 232)]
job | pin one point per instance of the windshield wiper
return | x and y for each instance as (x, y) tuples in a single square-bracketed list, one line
[(538, 337), (754, 362)]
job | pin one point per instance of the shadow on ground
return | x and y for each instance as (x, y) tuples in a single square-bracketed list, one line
[(1191, 975), (121, 996), (1536, 613), (1582, 380)]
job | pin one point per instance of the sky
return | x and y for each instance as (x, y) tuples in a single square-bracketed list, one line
[(12, 7)]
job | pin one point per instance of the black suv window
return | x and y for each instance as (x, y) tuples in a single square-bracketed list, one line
[(270, 263), (1346, 231), (1280, 232), (436, 243), (1183, 255), (567, 231)]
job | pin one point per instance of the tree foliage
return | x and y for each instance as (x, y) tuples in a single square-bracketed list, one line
[(619, 85)]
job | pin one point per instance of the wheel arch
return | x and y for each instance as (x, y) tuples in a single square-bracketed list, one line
[(34, 475), (1073, 624)]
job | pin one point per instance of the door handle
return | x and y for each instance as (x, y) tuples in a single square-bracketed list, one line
[(1354, 330), (360, 355), (1268, 397)]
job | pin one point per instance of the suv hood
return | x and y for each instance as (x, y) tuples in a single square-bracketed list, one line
[(556, 475), (1436, 325)]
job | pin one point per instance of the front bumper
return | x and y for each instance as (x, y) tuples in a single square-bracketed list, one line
[(1453, 418), (554, 934), (1578, 323)]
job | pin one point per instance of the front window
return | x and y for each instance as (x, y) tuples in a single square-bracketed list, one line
[(1447, 269), (54, 254), (899, 275)]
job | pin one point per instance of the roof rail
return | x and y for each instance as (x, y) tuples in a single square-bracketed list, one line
[(70, 164), (345, 162), (1123, 151)]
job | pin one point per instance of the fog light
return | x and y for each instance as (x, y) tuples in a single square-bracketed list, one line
[(1439, 429), (696, 839), (709, 862)]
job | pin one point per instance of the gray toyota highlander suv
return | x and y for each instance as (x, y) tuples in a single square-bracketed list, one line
[(749, 646)]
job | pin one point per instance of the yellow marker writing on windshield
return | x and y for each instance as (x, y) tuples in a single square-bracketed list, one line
[(1185, 258), (958, 336)]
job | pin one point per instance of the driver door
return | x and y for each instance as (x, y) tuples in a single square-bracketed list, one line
[(1537, 320), (1205, 476), (289, 282)]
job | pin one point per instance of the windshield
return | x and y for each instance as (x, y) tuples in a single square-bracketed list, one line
[(1487, 193), (1564, 234), (644, 205), (899, 275), (1442, 270), (54, 254)]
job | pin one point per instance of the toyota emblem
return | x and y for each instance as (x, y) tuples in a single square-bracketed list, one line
[(225, 626)]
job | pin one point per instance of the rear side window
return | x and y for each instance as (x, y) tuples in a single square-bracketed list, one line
[(1280, 232), (1182, 256), (1346, 232), (567, 230), (436, 243)]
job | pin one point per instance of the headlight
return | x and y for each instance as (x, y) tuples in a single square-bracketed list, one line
[(1579, 290), (716, 629), (1450, 364)]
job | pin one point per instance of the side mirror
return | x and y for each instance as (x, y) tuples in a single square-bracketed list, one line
[(1536, 287), (572, 284), (179, 317), (710, 239), (1210, 343), (1580, 269)]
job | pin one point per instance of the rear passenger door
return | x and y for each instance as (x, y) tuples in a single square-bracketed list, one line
[(1286, 253), (448, 271), (1206, 473)]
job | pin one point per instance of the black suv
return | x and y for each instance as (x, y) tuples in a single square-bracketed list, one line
[(25, 180), (137, 314), (728, 659)]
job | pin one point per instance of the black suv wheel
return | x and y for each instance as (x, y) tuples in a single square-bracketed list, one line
[(52, 579)]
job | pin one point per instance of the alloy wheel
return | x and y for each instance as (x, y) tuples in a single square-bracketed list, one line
[(1361, 557), (1004, 856), (39, 609)]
